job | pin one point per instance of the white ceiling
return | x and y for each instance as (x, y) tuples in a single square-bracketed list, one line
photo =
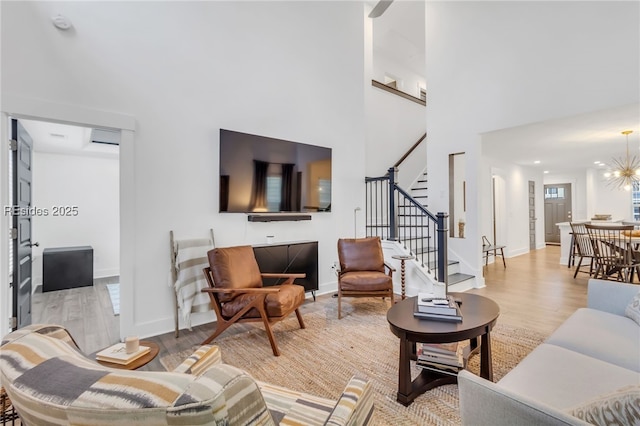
[(572, 143), (66, 139)]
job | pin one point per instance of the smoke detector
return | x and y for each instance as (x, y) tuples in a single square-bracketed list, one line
[(61, 22)]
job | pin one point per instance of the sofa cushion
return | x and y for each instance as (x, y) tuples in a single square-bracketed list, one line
[(602, 335), (621, 407), (633, 309), (562, 378)]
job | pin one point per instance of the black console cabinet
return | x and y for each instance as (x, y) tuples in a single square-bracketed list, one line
[(290, 257), (67, 267)]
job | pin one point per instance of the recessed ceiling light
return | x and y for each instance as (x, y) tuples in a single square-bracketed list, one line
[(536, 162), (601, 164), (596, 162), (545, 172)]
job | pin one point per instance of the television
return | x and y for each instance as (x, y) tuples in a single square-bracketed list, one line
[(259, 174)]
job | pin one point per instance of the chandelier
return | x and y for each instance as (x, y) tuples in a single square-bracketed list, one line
[(626, 171)]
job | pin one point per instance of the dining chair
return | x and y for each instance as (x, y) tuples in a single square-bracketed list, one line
[(614, 251), (582, 245)]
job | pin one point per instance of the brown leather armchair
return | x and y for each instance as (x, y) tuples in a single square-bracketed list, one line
[(363, 271), (237, 294)]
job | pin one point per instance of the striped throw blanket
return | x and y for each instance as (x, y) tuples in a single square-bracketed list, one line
[(191, 258)]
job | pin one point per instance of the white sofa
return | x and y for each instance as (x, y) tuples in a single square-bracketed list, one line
[(592, 359)]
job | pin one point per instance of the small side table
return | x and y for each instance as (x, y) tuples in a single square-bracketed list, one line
[(143, 360), (402, 258)]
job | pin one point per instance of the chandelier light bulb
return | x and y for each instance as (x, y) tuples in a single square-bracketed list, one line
[(616, 173), (627, 187), (607, 174)]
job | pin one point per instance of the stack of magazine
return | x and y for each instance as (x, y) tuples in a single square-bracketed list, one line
[(441, 357), (441, 309)]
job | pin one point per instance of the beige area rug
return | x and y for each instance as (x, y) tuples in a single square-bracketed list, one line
[(321, 358)]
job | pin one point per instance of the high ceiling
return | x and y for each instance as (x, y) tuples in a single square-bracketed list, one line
[(571, 143)]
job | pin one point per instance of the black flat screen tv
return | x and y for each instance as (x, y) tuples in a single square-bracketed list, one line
[(266, 175)]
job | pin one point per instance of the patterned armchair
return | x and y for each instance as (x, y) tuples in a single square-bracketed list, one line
[(50, 381)]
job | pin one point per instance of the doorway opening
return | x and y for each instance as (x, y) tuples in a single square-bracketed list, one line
[(75, 203)]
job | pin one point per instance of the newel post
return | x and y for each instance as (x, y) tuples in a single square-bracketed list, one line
[(443, 249), (392, 206)]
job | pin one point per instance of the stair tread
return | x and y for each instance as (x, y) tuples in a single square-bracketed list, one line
[(432, 264), (459, 277)]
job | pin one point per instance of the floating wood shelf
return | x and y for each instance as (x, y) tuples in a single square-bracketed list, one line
[(278, 217)]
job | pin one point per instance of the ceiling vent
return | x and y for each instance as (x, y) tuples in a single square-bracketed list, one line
[(104, 136)]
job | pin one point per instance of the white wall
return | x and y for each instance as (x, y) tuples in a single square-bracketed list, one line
[(605, 199), (406, 80), (92, 185), (394, 124), (494, 65), (185, 70), (512, 205)]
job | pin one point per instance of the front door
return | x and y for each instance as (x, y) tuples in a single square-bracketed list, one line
[(22, 147), (557, 209)]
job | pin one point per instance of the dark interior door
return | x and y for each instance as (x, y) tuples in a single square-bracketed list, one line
[(22, 147), (557, 209), (532, 215)]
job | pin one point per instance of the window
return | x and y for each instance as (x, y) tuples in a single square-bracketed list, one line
[(553, 193), (273, 193), (274, 187), (324, 193)]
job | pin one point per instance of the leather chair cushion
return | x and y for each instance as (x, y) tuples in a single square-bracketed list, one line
[(281, 303), (361, 254), (365, 281), (234, 267)]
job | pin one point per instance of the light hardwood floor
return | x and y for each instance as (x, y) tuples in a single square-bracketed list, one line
[(534, 291), (85, 311)]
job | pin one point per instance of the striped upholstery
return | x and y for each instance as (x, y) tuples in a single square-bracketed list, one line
[(49, 381), (288, 407), (357, 393), (199, 361)]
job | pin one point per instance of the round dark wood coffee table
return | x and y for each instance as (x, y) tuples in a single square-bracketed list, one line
[(479, 315)]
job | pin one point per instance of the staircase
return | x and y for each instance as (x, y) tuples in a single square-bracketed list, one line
[(393, 214), (419, 193)]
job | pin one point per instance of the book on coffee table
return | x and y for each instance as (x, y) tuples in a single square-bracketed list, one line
[(117, 354), (430, 304), (457, 317), (436, 353)]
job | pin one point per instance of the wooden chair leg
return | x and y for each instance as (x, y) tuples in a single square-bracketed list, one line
[(577, 267), (267, 328), (300, 321)]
